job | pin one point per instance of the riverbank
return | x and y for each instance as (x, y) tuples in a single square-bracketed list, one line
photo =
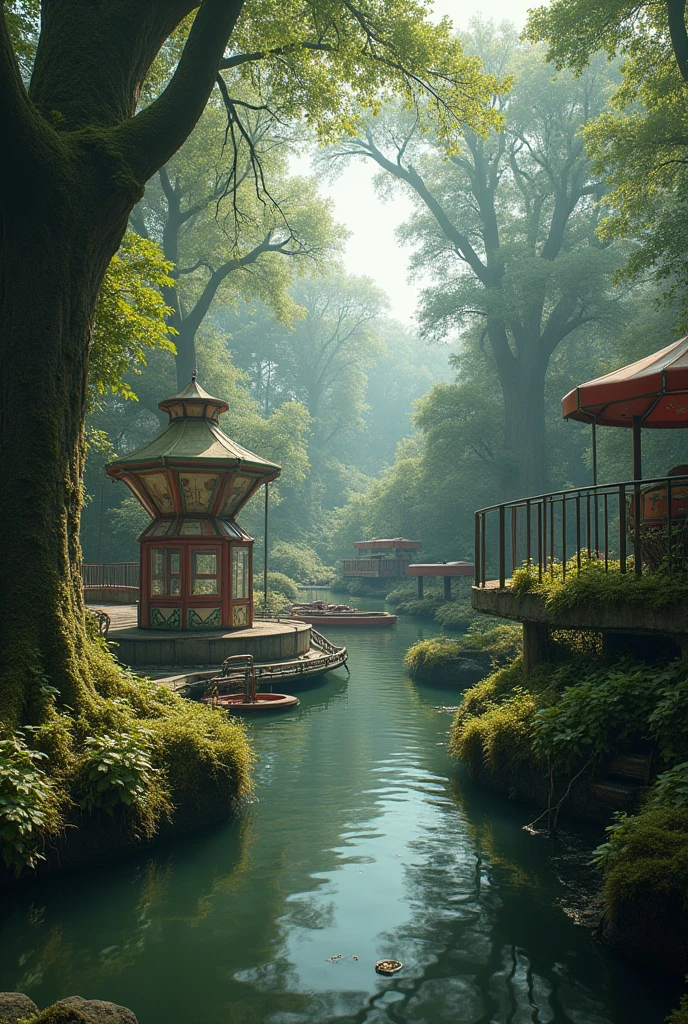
[(136, 765), (606, 740)]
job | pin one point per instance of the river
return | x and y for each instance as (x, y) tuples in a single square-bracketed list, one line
[(363, 840)]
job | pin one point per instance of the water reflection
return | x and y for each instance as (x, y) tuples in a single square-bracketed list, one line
[(363, 841)]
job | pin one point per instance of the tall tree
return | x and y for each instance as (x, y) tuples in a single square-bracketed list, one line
[(82, 151), (641, 143), (505, 226), (253, 249)]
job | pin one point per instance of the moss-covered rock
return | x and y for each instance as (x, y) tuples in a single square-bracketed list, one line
[(465, 660), (646, 888), (15, 1006)]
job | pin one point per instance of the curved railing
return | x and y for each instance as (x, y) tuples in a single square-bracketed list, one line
[(110, 574), (643, 522)]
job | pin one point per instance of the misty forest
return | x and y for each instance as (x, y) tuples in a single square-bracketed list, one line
[(243, 474)]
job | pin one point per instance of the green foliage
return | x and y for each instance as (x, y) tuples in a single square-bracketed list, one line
[(456, 614), (598, 711), (499, 738), (679, 1016), (639, 143), (299, 562), (281, 584), (646, 857), (28, 803), (277, 604), (116, 769), (583, 709), (593, 587), (431, 654), (137, 751), (503, 643), (130, 317), (671, 788)]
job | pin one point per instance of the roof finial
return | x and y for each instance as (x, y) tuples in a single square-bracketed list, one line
[(194, 375)]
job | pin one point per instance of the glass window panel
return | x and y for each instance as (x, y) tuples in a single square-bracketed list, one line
[(159, 562), (158, 587), (174, 561), (240, 573), (197, 490), (206, 564), (175, 586), (205, 586)]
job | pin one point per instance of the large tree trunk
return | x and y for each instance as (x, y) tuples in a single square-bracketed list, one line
[(51, 267), (185, 342), (75, 169), (526, 470)]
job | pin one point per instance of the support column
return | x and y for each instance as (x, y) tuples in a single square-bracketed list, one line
[(420, 588), (535, 635), (447, 588)]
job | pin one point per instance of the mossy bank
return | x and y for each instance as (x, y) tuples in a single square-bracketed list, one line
[(138, 764), (548, 737)]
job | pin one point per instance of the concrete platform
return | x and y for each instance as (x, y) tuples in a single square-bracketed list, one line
[(611, 618), (267, 641)]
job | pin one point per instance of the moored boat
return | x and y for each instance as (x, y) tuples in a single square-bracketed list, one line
[(320, 613)]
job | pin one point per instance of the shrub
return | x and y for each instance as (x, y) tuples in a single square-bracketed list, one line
[(277, 604), (455, 615), (503, 643), (592, 586), (116, 769), (299, 562), (278, 583), (646, 855), (136, 750), (28, 803)]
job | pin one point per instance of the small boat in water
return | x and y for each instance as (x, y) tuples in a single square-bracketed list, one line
[(320, 613)]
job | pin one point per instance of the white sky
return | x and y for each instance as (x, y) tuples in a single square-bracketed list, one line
[(372, 249)]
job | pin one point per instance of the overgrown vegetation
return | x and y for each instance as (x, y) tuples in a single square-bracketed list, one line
[(551, 730), (445, 658), (138, 754), (592, 586)]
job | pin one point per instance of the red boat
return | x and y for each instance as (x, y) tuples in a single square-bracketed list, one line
[(319, 613)]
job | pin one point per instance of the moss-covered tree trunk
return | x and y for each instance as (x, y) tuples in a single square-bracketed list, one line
[(50, 273), (77, 165)]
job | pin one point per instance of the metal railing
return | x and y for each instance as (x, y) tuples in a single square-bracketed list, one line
[(111, 574), (641, 523), (376, 567)]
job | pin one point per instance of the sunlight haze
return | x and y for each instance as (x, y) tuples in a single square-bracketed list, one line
[(371, 222)]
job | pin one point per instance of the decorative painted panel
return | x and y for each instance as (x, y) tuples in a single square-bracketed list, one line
[(197, 490), (158, 487), (238, 490), (204, 618), (197, 528), (165, 618), (240, 615)]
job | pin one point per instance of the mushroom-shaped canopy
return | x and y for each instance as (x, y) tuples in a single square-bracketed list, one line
[(653, 390), (193, 467)]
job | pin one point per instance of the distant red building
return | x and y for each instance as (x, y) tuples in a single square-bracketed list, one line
[(381, 558)]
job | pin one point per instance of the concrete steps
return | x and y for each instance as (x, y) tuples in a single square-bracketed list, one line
[(625, 780)]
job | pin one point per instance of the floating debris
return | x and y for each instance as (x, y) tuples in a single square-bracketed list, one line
[(388, 966), (338, 957)]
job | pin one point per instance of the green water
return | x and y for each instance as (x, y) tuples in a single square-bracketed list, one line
[(363, 840)]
